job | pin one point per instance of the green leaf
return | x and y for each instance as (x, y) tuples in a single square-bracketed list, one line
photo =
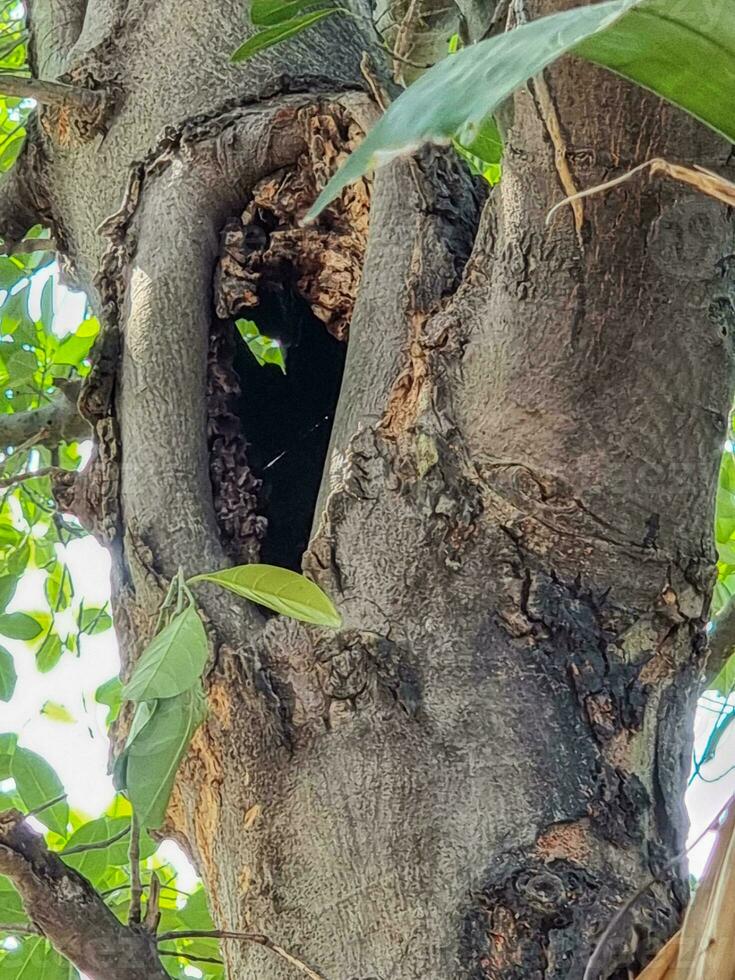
[(94, 862), (8, 677), (37, 784), (454, 98), (265, 350), (36, 959), (110, 694), (58, 587), (11, 907), (47, 303), (49, 653), (8, 745), (155, 751), (724, 682), (267, 13), (143, 714), (8, 585), (279, 589), (484, 153), (94, 621), (280, 32), (684, 52), (57, 712), (172, 662), (19, 626)]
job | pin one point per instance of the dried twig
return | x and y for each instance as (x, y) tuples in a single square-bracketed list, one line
[(248, 937), (136, 885), (82, 848), (702, 180)]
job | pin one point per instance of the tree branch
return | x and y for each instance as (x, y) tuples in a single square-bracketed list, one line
[(49, 93), (721, 639), (28, 245), (58, 421), (66, 909)]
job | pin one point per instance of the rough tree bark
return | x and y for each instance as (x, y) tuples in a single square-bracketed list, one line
[(515, 517)]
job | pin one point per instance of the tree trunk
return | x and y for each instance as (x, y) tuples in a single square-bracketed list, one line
[(515, 515)]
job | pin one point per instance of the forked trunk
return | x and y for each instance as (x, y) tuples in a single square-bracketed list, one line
[(516, 509)]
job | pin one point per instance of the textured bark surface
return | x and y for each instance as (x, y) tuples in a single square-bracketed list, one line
[(515, 518)]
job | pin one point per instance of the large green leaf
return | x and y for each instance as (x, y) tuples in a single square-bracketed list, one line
[(98, 854), (280, 32), (19, 626), (37, 784), (279, 589), (8, 677), (452, 99), (683, 52), (172, 662), (153, 755), (11, 907), (35, 959)]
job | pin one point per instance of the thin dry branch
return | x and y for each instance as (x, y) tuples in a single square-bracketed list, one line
[(247, 937), (49, 93), (64, 907)]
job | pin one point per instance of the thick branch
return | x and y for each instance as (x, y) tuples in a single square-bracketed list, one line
[(68, 911), (58, 421), (48, 93), (55, 27)]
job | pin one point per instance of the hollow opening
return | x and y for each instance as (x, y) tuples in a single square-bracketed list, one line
[(269, 428), (288, 418)]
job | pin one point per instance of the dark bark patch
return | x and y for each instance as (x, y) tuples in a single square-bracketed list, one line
[(234, 485), (607, 687), (535, 920)]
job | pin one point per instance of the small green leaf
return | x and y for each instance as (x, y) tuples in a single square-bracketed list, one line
[(93, 621), (19, 626), (47, 303), (110, 694), (8, 585), (280, 32), (57, 712), (172, 662), (8, 677), (38, 784), (49, 653), (143, 714), (279, 589), (93, 862), (154, 754)]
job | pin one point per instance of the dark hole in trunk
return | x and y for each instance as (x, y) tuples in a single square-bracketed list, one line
[(288, 417)]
